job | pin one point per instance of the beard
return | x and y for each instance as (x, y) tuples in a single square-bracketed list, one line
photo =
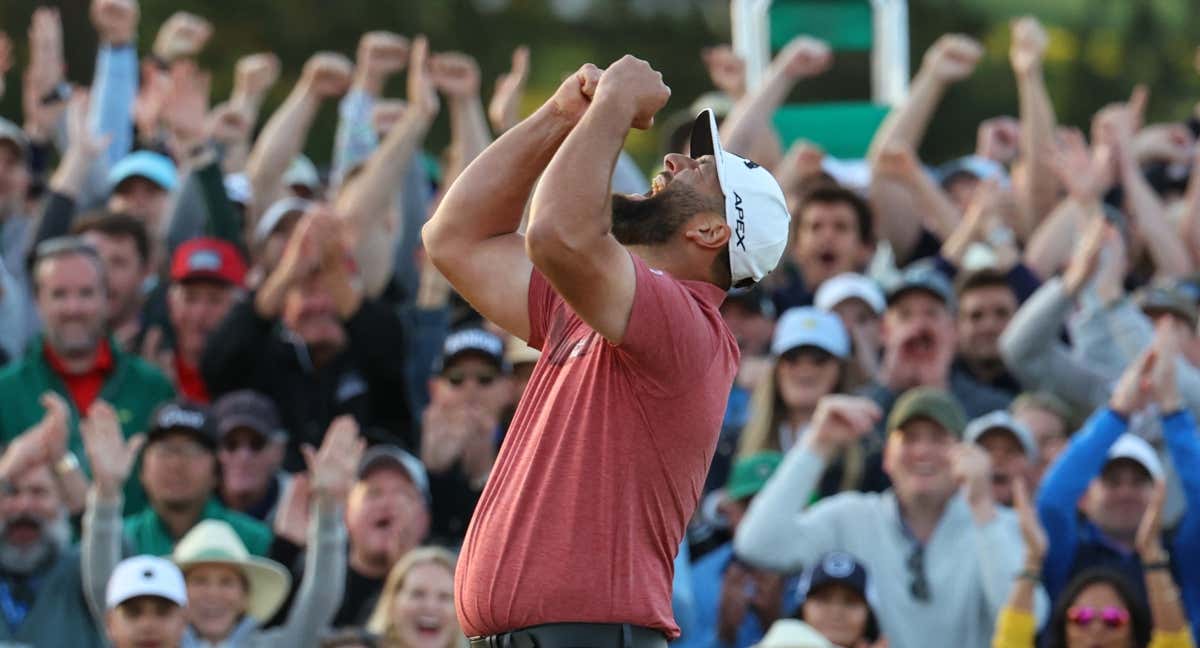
[(654, 220), (74, 343), (55, 537)]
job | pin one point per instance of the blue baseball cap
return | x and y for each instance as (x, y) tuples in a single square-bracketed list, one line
[(155, 167)]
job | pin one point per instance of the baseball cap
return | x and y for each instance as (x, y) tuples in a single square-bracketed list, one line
[(472, 340), (849, 285), (755, 207), (793, 633), (750, 474), (1002, 420), (208, 258), (302, 172), (183, 416), (10, 132), (246, 408), (145, 576), (386, 454), (275, 214), (1168, 298), (1133, 447), (807, 326), (835, 567), (155, 167), (930, 403), (925, 278), (972, 165)]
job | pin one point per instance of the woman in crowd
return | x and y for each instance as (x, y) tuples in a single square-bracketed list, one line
[(835, 601), (811, 351), (1098, 607), (416, 607)]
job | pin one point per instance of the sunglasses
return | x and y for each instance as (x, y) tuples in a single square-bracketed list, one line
[(457, 378), (255, 443), (919, 585), (1112, 617)]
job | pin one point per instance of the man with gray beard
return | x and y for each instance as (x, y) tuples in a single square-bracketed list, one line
[(42, 600)]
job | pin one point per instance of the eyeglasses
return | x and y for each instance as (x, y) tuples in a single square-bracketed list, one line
[(919, 585), (457, 378), (255, 443), (1112, 617)]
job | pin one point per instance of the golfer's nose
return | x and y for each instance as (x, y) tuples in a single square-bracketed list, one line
[(675, 163)]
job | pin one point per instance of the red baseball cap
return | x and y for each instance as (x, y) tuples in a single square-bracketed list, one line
[(208, 258)]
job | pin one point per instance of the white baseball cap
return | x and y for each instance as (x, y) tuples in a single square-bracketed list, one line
[(1131, 446), (145, 576), (793, 633), (755, 207), (1002, 420), (850, 285), (302, 172), (807, 326)]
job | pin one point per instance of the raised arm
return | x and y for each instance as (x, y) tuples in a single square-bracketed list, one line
[(474, 230), (380, 55), (116, 79), (899, 164), (570, 236), (367, 202), (325, 75), (456, 75), (1016, 625), (42, 89), (749, 123), (504, 108), (1038, 194), (951, 59)]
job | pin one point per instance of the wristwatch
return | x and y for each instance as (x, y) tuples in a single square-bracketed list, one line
[(68, 464)]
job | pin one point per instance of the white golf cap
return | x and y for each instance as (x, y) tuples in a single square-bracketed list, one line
[(145, 576), (276, 213), (793, 633), (807, 326), (1002, 420), (850, 285), (1130, 446), (754, 205), (302, 172)]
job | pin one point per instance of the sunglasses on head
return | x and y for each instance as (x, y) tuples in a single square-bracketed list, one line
[(457, 378), (1113, 617)]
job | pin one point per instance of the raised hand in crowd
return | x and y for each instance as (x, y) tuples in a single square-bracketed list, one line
[(227, 126), (1036, 544), (153, 93), (84, 149), (952, 58), (386, 114), (333, 468), (984, 215), (840, 421), (185, 111), (1134, 389), (999, 139), (380, 55), (1166, 609), (636, 88), (41, 445), (253, 77), (110, 455), (1028, 48), (115, 21), (803, 57), (726, 70), (183, 35), (41, 102), (972, 469), (504, 108), (453, 431), (1086, 174), (326, 75), (455, 75)]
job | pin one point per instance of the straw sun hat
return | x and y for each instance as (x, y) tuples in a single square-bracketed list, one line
[(213, 542)]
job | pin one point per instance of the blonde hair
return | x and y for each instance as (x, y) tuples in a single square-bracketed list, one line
[(767, 412), (380, 622)]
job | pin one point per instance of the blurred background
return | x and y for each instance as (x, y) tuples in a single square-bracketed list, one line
[(1098, 49)]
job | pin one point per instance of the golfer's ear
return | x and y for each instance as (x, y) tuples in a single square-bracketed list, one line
[(708, 230)]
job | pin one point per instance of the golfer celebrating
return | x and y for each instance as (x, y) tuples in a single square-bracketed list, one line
[(573, 539)]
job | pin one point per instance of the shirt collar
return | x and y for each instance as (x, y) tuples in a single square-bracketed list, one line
[(103, 364)]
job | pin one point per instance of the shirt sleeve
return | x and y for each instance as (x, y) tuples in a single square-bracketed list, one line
[(670, 338), (1178, 639), (1014, 629), (542, 302)]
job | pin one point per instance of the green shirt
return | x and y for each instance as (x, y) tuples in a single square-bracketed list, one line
[(147, 534), (134, 389)]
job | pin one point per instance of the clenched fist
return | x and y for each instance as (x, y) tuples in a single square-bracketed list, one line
[(952, 58), (327, 74), (635, 86)]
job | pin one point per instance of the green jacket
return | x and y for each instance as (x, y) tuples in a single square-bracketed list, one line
[(134, 389), (145, 532)]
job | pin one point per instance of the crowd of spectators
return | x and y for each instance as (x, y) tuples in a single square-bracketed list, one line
[(240, 407)]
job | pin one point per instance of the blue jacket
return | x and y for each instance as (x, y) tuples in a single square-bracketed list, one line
[(1076, 544)]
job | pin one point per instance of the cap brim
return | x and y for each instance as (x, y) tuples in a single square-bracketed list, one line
[(269, 583)]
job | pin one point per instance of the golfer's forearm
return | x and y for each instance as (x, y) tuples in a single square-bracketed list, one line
[(571, 204), (489, 197)]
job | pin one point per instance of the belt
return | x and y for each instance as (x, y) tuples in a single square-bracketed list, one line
[(575, 635)]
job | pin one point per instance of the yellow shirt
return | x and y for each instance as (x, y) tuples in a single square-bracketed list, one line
[(1016, 629)]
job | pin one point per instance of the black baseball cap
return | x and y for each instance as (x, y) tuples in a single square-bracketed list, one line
[(184, 416), (472, 341), (246, 409), (834, 568)]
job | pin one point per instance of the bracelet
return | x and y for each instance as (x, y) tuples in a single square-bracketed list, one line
[(1030, 575), (1157, 565)]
